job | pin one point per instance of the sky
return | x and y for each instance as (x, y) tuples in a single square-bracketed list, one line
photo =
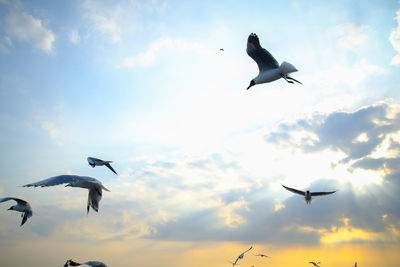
[(200, 159)]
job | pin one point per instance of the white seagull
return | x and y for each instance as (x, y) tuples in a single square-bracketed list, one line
[(98, 162), (93, 185), (22, 206), (269, 69), (315, 264), (308, 195), (240, 256), (90, 263)]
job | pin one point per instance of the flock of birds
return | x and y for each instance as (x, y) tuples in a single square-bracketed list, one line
[(269, 70)]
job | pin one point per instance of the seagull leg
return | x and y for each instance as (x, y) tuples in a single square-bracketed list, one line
[(288, 77)]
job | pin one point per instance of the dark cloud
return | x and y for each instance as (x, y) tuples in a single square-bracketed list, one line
[(338, 131)]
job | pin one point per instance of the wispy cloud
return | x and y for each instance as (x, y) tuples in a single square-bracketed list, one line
[(164, 45), (22, 26), (395, 40), (74, 37), (351, 36)]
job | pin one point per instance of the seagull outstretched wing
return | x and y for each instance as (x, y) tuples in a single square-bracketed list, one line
[(19, 201), (261, 56), (313, 194), (295, 190)]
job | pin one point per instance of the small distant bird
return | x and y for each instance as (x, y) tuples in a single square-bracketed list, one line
[(240, 257), (308, 195), (221, 49), (22, 206), (94, 186), (315, 264), (98, 162), (269, 69), (90, 263), (262, 256)]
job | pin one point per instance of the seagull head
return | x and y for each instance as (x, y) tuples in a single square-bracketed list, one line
[(252, 83)]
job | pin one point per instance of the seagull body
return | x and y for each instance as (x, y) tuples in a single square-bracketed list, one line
[(98, 162), (94, 186), (307, 194), (315, 264), (90, 263), (22, 206), (240, 257), (269, 69)]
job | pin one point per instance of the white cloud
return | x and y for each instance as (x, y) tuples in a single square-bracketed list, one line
[(351, 36), (24, 27), (74, 37), (169, 44), (55, 134), (104, 19), (395, 40)]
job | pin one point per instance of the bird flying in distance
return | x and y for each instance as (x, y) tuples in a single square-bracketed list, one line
[(307, 194), (99, 162)]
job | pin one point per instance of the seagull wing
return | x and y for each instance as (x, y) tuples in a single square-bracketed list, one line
[(108, 165), (261, 56), (294, 190), (19, 201), (65, 179), (314, 194)]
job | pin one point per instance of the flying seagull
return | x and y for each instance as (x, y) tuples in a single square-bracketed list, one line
[(315, 264), (240, 256), (90, 263), (22, 206), (98, 162), (308, 195), (93, 185), (269, 69), (262, 256)]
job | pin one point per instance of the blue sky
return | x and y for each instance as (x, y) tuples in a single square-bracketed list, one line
[(200, 159)]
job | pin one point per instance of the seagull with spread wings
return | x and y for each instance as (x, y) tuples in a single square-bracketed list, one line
[(22, 206), (240, 257), (94, 186), (269, 68), (307, 194)]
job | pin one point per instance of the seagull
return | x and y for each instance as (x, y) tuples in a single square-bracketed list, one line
[(90, 263), (98, 162), (269, 69), (93, 185), (315, 264), (240, 256), (22, 206), (262, 256), (308, 195)]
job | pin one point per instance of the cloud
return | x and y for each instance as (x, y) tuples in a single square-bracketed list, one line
[(357, 134), (167, 45), (74, 37), (394, 38), (104, 19), (351, 36), (54, 132), (24, 27)]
